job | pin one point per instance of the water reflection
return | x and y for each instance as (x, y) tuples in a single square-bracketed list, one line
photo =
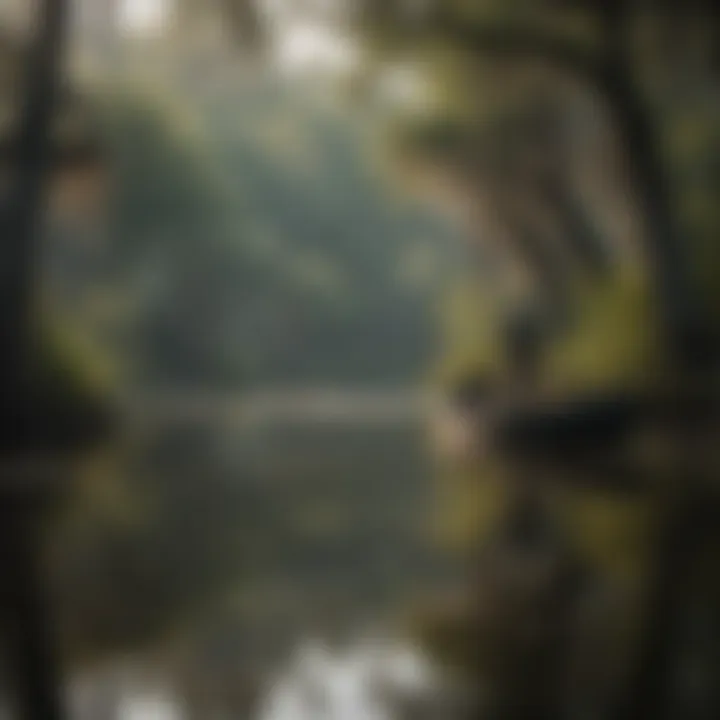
[(150, 708), (372, 679), (125, 692)]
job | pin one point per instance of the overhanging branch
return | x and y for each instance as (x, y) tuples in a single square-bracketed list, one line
[(605, 72), (525, 43)]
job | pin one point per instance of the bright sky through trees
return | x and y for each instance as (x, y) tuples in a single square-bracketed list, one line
[(144, 17), (310, 46), (300, 41)]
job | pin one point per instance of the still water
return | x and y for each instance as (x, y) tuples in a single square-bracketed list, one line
[(335, 510), (373, 678)]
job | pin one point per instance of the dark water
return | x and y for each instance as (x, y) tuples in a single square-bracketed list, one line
[(316, 529), (314, 526), (349, 512)]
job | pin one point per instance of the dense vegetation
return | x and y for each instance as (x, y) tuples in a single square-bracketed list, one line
[(254, 240), (249, 240)]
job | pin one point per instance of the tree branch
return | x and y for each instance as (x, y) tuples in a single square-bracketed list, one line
[(531, 249), (605, 71), (578, 232), (525, 43), (244, 17)]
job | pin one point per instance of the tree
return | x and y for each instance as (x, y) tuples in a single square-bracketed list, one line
[(564, 51), (35, 422)]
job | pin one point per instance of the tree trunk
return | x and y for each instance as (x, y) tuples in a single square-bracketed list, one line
[(27, 630)]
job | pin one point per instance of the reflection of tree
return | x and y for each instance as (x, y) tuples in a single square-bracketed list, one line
[(367, 679)]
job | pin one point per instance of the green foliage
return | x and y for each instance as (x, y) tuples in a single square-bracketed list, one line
[(253, 248), (73, 370), (614, 341), (468, 508), (471, 329)]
